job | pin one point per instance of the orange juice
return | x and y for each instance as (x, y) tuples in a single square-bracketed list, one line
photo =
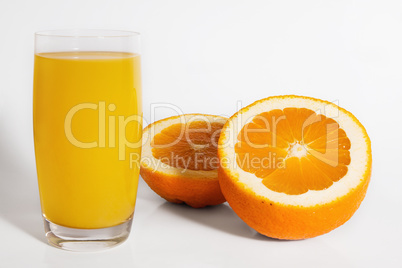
[(85, 136)]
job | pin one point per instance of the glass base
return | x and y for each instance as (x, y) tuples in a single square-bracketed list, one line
[(86, 239)]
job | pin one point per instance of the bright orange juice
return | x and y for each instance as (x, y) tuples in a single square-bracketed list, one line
[(85, 134)]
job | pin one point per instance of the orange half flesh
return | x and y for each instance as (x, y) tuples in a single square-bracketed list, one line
[(188, 146), (179, 159), (294, 150)]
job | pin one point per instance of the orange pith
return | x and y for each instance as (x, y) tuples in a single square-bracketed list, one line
[(188, 146), (294, 150)]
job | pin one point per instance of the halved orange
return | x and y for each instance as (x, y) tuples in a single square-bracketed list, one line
[(179, 159), (294, 167)]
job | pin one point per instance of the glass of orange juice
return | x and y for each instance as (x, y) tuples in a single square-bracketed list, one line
[(87, 119)]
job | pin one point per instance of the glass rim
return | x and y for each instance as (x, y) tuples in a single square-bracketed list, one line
[(86, 33)]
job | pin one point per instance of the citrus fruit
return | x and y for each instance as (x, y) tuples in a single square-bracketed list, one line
[(179, 159), (294, 167)]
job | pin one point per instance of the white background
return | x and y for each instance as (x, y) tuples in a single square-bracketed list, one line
[(205, 57)]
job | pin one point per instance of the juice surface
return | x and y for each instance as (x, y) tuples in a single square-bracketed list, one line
[(81, 100)]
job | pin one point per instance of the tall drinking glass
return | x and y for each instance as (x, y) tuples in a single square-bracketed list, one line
[(87, 119)]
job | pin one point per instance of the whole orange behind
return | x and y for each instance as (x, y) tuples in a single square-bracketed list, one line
[(179, 159), (294, 167)]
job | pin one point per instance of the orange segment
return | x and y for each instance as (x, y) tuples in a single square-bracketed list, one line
[(261, 161), (311, 149), (297, 118), (287, 180)]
